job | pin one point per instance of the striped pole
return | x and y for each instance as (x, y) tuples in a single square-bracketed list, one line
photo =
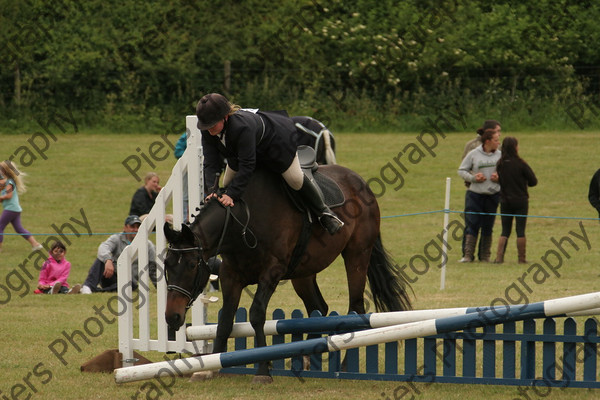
[(351, 323), (549, 308)]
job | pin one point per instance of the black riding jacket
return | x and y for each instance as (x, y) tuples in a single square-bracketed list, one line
[(250, 139)]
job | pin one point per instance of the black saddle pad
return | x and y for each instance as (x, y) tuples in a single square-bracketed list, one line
[(332, 194)]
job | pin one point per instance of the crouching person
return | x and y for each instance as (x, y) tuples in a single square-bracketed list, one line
[(102, 276)]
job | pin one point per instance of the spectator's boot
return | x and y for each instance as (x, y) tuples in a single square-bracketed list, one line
[(521, 249), (486, 248), (502, 241), (470, 242)]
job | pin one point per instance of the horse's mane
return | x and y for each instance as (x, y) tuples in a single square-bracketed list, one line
[(204, 207)]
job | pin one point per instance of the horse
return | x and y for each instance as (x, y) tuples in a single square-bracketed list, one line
[(313, 133), (309, 132), (257, 240)]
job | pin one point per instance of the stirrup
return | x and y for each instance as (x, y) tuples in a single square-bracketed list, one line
[(331, 222)]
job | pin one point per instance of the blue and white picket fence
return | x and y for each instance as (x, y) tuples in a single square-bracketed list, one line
[(430, 329), (524, 353)]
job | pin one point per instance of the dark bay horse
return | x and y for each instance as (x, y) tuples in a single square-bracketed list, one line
[(256, 242)]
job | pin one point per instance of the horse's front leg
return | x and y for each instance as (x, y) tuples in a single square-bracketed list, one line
[(258, 311), (232, 291)]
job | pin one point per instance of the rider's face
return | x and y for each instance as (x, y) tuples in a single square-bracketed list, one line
[(218, 127)]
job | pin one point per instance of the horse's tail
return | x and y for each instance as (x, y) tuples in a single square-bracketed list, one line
[(389, 288), (329, 153)]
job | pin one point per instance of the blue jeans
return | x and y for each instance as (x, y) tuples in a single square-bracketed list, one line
[(480, 203)]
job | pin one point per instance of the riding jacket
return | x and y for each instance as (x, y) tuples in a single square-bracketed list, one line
[(249, 139)]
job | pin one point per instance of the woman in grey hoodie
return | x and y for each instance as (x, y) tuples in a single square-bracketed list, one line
[(483, 195)]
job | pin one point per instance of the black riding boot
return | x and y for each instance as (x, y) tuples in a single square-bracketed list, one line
[(312, 196)]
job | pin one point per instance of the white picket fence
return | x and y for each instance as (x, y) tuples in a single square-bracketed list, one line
[(139, 327)]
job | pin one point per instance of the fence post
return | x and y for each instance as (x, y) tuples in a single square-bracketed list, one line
[(444, 246)]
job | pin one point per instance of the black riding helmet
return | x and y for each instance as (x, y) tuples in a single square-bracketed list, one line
[(211, 109)]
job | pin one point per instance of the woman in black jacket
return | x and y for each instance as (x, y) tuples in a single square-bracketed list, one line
[(248, 138), (143, 199), (514, 176)]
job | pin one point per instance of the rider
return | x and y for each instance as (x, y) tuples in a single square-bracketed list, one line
[(247, 137)]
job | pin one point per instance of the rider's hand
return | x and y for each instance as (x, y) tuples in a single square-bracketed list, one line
[(226, 200), (210, 196)]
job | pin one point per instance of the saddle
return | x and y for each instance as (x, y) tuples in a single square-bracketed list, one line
[(332, 194)]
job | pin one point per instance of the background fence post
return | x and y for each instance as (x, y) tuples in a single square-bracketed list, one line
[(444, 246)]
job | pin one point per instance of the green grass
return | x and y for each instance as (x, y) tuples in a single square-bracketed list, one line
[(84, 173)]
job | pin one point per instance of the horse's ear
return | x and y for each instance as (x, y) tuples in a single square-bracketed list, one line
[(171, 235), (187, 234)]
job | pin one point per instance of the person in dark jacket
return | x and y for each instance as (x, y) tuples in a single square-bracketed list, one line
[(248, 138), (514, 176), (143, 199), (594, 192)]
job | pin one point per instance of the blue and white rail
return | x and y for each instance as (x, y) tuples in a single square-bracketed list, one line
[(549, 308), (355, 322)]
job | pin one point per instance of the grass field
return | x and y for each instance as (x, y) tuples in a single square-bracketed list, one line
[(81, 181)]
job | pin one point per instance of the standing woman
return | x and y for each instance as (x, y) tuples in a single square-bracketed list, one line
[(481, 201), (11, 184), (515, 175), (248, 138)]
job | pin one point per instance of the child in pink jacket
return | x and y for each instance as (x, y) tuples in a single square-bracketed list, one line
[(55, 271)]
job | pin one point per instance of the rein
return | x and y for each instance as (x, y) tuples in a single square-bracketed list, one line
[(244, 226)]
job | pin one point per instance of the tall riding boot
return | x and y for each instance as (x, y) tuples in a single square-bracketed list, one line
[(470, 242), (502, 241), (521, 249), (486, 248), (313, 198)]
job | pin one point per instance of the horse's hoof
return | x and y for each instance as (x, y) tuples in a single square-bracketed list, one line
[(262, 379), (203, 376)]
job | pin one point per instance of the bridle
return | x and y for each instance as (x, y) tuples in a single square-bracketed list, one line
[(197, 288)]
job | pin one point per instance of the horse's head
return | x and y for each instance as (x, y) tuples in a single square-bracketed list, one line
[(186, 271)]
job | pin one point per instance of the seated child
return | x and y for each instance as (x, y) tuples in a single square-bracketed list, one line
[(55, 271)]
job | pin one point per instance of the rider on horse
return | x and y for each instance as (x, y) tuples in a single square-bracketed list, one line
[(247, 138)]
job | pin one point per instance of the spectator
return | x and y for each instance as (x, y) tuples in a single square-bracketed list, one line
[(55, 272), (479, 168), (11, 185), (514, 176), (144, 198), (594, 192), (103, 271), (476, 141), (471, 145)]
